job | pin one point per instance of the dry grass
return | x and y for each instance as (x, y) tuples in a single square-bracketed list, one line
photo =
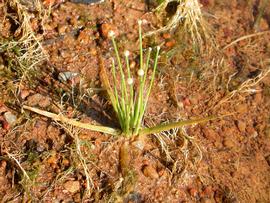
[(189, 16), (24, 50), (83, 160)]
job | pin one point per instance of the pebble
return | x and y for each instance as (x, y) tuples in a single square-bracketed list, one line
[(61, 29), (65, 76), (10, 118), (258, 98), (241, 126), (207, 192), (52, 160), (193, 192), (166, 36), (264, 25), (24, 94), (150, 171), (242, 108), (105, 28), (72, 186), (228, 143), (2, 109), (65, 162), (170, 43), (210, 134), (38, 99)]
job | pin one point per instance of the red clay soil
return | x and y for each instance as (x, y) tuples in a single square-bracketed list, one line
[(225, 160)]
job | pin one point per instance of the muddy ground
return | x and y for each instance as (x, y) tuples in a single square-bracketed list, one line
[(224, 160)]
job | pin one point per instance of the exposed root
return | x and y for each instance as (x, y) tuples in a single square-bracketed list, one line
[(246, 37), (245, 87), (189, 149)]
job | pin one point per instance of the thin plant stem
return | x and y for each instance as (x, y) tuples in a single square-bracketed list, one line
[(140, 94)]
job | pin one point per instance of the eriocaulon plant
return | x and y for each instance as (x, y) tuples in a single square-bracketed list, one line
[(130, 103)]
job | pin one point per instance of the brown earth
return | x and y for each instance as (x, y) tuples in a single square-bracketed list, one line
[(224, 160)]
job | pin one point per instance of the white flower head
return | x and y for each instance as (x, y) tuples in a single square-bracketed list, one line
[(126, 53), (140, 72), (111, 34), (130, 81), (112, 60), (140, 22)]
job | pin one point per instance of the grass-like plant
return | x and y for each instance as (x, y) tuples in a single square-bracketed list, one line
[(128, 100), (130, 103)]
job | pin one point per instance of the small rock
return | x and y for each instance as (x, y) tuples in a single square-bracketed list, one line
[(65, 76), (186, 102), (4, 123), (140, 142), (77, 197), (258, 98), (72, 186), (3, 109), (52, 160), (166, 36), (228, 143), (170, 43), (105, 29), (64, 53), (263, 24), (150, 171), (65, 162), (251, 132), (207, 192), (10, 118), (242, 108), (24, 94), (85, 37), (61, 29), (40, 148), (193, 192), (241, 126), (210, 134), (38, 99)]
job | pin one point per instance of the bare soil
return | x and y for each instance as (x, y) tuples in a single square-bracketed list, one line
[(224, 160)]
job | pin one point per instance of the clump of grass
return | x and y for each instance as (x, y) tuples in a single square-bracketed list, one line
[(188, 15), (128, 103), (23, 51)]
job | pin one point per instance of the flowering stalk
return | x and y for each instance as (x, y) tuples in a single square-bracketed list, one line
[(130, 104)]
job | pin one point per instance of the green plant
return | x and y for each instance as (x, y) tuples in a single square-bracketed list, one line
[(128, 103)]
